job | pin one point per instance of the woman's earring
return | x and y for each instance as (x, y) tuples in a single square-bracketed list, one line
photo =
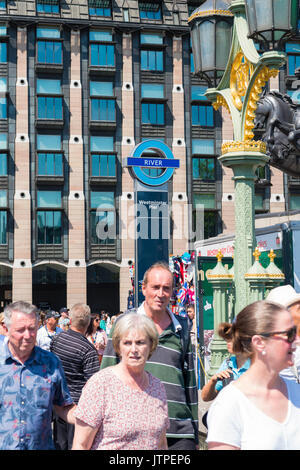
[(263, 352)]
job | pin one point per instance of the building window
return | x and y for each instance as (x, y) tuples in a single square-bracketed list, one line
[(293, 53), (3, 217), (103, 158), (49, 217), (103, 106), (202, 111), (3, 44), (203, 147), (102, 51), (49, 46), (150, 10), (47, 6), (3, 5), (49, 99), (151, 58), (3, 141), (3, 164), (204, 169), (3, 98), (50, 164), (102, 217), (294, 202), (153, 107), (100, 8), (211, 215), (49, 155)]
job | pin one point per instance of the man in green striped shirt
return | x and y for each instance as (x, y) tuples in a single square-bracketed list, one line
[(172, 361)]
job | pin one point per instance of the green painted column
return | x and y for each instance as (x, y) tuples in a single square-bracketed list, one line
[(221, 281), (243, 165)]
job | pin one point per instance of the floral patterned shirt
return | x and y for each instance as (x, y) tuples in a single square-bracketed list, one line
[(126, 419), (27, 394)]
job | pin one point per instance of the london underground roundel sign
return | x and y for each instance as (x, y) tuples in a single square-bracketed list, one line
[(165, 162)]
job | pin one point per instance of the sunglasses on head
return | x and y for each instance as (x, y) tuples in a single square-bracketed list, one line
[(290, 334)]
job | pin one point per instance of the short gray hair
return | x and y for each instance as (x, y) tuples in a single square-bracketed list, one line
[(80, 316), (158, 265), (22, 307), (134, 321)]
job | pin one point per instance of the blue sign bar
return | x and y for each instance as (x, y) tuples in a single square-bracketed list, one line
[(153, 162)]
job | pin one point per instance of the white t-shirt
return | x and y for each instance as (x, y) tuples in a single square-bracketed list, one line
[(234, 420)]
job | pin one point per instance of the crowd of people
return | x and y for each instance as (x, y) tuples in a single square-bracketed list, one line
[(77, 380), (80, 380)]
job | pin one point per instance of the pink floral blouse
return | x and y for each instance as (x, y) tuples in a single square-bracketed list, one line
[(127, 419)]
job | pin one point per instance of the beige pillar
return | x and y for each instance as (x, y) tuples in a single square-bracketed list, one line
[(76, 274), (127, 227), (180, 209), (22, 268)]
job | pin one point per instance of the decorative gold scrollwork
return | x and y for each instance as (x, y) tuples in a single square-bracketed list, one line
[(262, 78), (244, 146), (240, 75)]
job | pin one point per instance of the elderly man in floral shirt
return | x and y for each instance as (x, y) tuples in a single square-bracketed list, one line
[(32, 382)]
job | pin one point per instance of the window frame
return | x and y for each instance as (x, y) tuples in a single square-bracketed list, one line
[(200, 101), (155, 102), (56, 120), (150, 8), (155, 47), (206, 158), (52, 3), (291, 55), (52, 41), (106, 152), (105, 43), (53, 210), (101, 98), (97, 6), (93, 213)]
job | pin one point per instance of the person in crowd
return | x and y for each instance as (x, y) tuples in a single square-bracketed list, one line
[(231, 368), (175, 370), (114, 317), (79, 359), (107, 323), (64, 320), (123, 407), (32, 384), (42, 316), (103, 320), (260, 410), (96, 335), (3, 329), (48, 330), (190, 310), (290, 299)]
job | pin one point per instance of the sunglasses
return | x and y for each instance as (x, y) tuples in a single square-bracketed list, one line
[(290, 334), (97, 320)]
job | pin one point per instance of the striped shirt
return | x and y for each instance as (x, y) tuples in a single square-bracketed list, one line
[(176, 373), (79, 358)]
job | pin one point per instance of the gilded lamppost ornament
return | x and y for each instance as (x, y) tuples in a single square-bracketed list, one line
[(241, 72)]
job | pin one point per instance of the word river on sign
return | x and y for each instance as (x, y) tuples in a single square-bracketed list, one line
[(153, 162)]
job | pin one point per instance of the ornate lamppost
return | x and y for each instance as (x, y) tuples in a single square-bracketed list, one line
[(225, 54)]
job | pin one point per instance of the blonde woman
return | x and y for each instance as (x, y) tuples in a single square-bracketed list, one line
[(260, 410), (123, 407)]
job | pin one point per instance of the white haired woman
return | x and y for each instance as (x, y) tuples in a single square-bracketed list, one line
[(123, 407)]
